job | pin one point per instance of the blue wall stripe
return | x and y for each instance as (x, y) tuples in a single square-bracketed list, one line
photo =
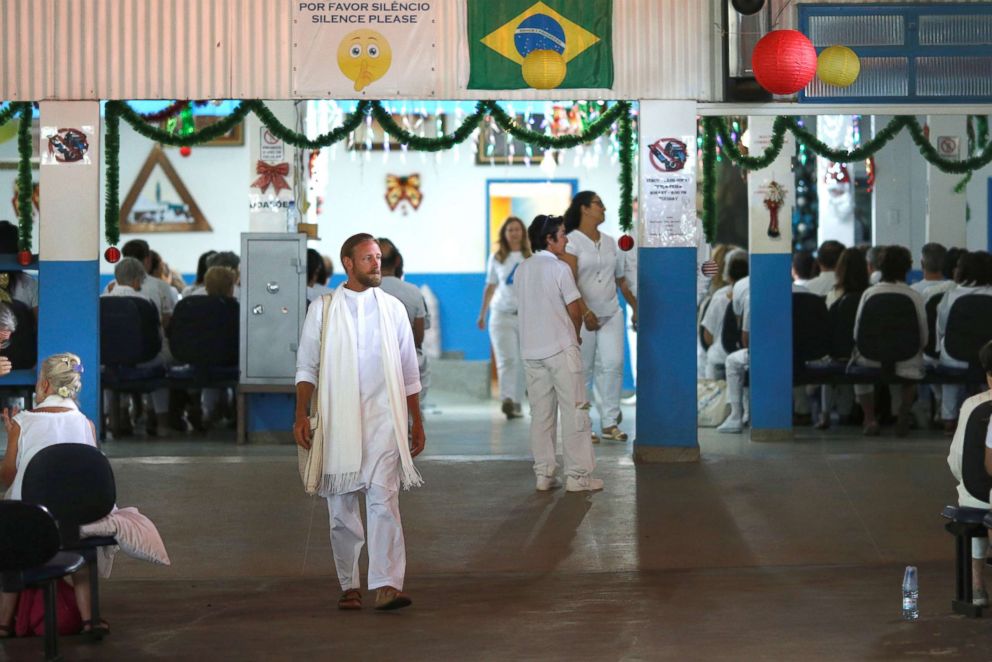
[(771, 342), (69, 320), (666, 402)]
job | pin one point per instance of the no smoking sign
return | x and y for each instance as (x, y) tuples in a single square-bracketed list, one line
[(949, 147)]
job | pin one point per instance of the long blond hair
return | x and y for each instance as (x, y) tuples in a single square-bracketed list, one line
[(504, 251)]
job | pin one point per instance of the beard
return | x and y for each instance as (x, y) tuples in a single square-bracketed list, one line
[(369, 279)]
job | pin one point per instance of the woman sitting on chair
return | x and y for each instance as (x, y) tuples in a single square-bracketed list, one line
[(56, 420)]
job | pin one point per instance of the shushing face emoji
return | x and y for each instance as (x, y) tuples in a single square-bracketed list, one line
[(364, 56)]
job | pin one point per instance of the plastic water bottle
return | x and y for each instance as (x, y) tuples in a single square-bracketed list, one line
[(910, 594)]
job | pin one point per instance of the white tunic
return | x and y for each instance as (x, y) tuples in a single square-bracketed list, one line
[(545, 287), (501, 274), (380, 456), (39, 430), (599, 268)]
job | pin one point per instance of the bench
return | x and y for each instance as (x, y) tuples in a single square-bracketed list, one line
[(965, 524)]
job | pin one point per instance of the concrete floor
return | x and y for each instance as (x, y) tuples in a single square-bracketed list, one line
[(785, 551)]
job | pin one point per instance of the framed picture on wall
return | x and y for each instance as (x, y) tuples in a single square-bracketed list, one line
[(369, 136), (525, 199), (159, 201)]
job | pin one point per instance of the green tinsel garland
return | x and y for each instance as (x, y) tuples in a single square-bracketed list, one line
[(117, 110), (112, 146), (626, 137), (7, 112), (595, 130), (713, 126), (25, 221), (423, 143), (709, 177), (295, 139)]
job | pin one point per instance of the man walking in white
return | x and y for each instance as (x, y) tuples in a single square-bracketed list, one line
[(369, 385), (549, 311)]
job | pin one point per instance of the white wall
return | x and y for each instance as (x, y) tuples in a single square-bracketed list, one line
[(447, 234)]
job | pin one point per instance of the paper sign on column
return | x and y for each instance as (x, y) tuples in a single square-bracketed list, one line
[(668, 174)]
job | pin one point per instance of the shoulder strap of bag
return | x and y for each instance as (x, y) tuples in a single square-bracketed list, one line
[(326, 301)]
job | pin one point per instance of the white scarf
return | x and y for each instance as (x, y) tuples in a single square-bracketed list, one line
[(341, 405), (56, 400)]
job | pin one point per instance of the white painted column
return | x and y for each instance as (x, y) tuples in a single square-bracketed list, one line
[(899, 202), (771, 285), (268, 209), (945, 221), (69, 243), (835, 199)]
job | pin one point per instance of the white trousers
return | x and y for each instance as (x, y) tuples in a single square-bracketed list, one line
[(504, 332), (387, 551), (602, 358), (737, 365), (632, 344), (553, 383)]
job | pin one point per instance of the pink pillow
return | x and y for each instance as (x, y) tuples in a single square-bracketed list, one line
[(135, 533)]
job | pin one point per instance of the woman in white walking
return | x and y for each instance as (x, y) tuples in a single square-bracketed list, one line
[(501, 302), (593, 256)]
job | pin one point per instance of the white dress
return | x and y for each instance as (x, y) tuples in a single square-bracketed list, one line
[(39, 430)]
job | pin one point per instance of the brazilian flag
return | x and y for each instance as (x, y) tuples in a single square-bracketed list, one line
[(554, 44)]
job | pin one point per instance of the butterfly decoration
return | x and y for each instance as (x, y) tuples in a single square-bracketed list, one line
[(406, 188)]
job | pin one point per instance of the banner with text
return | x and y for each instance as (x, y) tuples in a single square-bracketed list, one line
[(351, 50), (668, 174)]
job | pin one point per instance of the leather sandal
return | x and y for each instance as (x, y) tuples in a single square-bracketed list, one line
[(350, 599), (388, 598)]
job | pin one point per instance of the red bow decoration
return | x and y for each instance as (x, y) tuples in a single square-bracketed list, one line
[(273, 175), (399, 189)]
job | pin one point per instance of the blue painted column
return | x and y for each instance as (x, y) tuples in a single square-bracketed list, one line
[(69, 247), (667, 238), (771, 289)]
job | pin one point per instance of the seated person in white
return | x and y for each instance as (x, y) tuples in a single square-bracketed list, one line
[(895, 264), (736, 268), (738, 362), (973, 275), (932, 262), (979, 546), (56, 420), (826, 258)]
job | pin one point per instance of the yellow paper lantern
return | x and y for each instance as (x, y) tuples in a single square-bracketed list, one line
[(838, 66), (544, 69)]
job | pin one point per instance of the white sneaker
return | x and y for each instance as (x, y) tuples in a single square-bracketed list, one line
[(583, 484), (547, 483), (731, 425)]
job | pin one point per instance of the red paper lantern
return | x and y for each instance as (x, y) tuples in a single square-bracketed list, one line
[(112, 254), (24, 258), (185, 150), (784, 61), (626, 242)]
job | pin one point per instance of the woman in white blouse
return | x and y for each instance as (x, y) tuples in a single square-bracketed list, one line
[(500, 300), (55, 420), (594, 259)]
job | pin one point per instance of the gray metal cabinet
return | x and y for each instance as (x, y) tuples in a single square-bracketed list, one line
[(273, 305)]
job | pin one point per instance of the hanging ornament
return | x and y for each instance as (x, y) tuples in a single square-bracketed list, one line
[(185, 150), (773, 200), (544, 70), (626, 242), (838, 66), (24, 258), (112, 255), (748, 7), (784, 61)]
